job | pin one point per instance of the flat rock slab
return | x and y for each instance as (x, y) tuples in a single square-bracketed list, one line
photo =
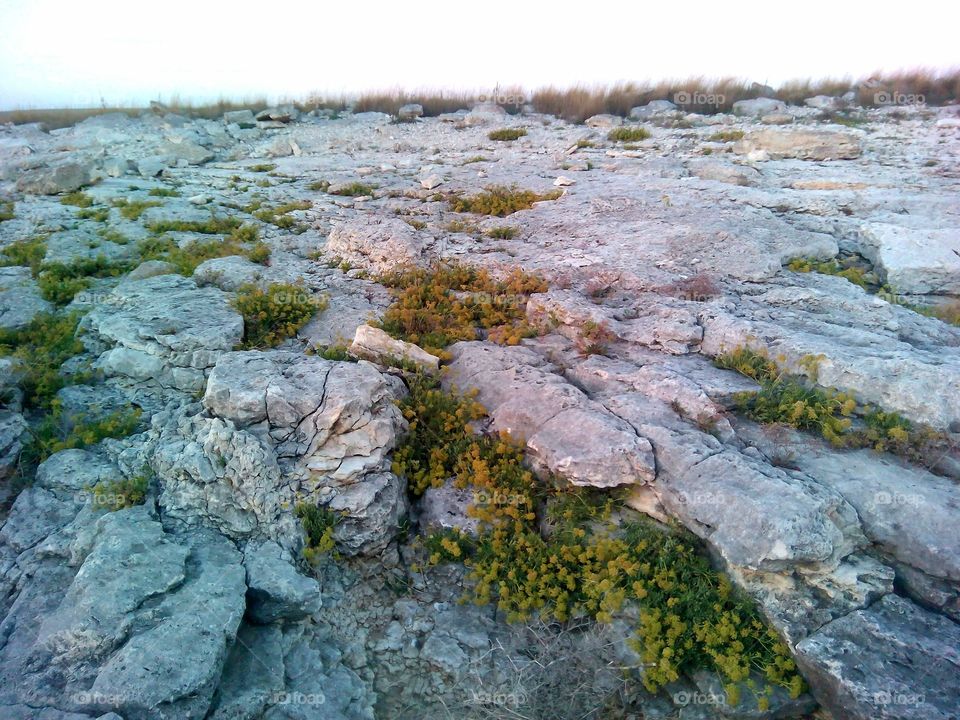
[(914, 260), (891, 661), (565, 432)]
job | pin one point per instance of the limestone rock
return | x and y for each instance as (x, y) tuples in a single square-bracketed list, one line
[(275, 590), (914, 260), (379, 245), (375, 345), (758, 106), (801, 144), (62, 178)]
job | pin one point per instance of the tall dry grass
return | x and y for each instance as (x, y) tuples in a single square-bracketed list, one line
[(575, 103)]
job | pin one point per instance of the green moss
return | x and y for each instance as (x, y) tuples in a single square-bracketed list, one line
[(726, 136), (60, 430), (829, 267), (356, 189), (77, 199), (6, 211), (163, 192), (60, 282), (214, 226), (628, 134), (318, 525), (41, 347), (271, 316), (114, 236), (503, 232), (133, 209), (186, 259), (262, 167), (501, 201), (26, 253), (507, 134), (280, 214)]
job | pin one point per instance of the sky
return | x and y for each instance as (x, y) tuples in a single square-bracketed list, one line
[(82, 54)]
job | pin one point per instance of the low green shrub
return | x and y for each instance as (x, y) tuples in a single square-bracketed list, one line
[(829, 267), (214, 226), (163, 192), (726, 136), (118, 494), (280, 215), (60, 282), (26, 253), (501, 201), (99, 214), (59, 430), (507, 134), (187, 258), (133, 209), (356, 189), (271, 316), (584, 566), (262, 167), (318, 524), (628, 134), (6, 211), (503, 232), (78, 199), (802, 404), (437, 306), (40, 348)]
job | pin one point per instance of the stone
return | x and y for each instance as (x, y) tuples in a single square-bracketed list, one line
[(151, 268), (604, 121), (189, 152), (379, 245), (758, 106), (375, 345), (275, 590), (163, 328), (242, 118), (485, 113), (824, 102), (282, 114), (868, 665), (776, 119), (20, 299), (411, 111), (150, 167), (61, 178), (801, 144), (564, 181), (914, 260), (725, 173), (431, 181), (651, 109), (525, 399)]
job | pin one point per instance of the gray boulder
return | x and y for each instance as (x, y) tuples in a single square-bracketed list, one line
[(379, 245), (651, 109), (243, 118), (275, 590), (410, 111), (889, 661), (758, 106), (62, 178)]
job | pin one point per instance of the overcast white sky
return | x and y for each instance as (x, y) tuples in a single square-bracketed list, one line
[(70, 52)]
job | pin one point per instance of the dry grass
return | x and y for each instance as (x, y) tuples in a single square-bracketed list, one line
[(434, 102), (575, 104)]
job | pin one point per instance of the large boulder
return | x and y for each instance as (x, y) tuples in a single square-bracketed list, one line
[(374, 344), (275, 590), (61, 178), (914, 260), (20, 299), (652, 109)]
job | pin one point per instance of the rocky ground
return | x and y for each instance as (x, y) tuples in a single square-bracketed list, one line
[(197, 603)]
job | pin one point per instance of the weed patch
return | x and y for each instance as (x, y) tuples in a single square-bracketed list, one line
[(60, 282), (25, 253), (67, 431), (829, 267), (436, 307), (77, 199), (507, 134), (726, 136), (628, 134), (501, 201), (133, 209), (271, 316), (40, 349), (318, 524)]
